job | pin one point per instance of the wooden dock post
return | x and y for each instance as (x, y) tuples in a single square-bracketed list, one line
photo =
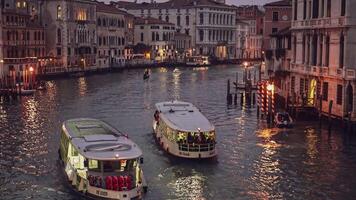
[(242, 99), (235, 99), (329, 115), (228, 95)]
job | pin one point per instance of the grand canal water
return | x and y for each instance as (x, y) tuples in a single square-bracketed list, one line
[(253, 162)]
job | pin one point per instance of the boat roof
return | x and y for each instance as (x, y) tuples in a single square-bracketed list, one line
[(183, 116), (95, 139)]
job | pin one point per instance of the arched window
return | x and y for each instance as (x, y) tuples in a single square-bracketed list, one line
[(99, 22), (343, 7), (342, 51), (59, 12), (187, 20), (59, 36), (327, 51), (178, 20), (167, 18)]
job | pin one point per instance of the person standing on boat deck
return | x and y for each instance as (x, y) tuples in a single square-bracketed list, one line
[(156, 116), (190, 138)]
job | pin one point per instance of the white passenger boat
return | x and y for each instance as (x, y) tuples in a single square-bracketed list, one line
[(183, 131), (99, 161)]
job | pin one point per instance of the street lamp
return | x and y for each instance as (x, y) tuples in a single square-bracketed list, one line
[(270, 88), (245, 64)]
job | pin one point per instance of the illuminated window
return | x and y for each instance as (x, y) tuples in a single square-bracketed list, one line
[(24, 4), (18, 4), (59, 12), (82, 15)]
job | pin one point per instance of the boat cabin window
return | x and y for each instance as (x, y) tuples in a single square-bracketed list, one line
[(94, 165), (196, 137), (112, 166)]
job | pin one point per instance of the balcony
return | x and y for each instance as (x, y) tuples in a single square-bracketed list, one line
[(321, 23)]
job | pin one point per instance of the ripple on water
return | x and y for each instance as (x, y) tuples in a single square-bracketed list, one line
[(253, 162)]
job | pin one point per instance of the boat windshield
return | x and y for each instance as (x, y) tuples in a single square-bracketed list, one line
[(196, 137), (112, 166)]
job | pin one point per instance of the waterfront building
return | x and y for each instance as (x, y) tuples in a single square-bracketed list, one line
[(278, 60), (182, 45), (242, 29), (71, 32), (22, 41), (211, 24), (322, 73), (278, 16), (129, 36), (253, 16), (111, 41), (157, 34)]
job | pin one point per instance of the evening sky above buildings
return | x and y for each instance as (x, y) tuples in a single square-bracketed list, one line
[(234, 2)]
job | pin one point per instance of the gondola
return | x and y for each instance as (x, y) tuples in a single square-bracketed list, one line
[(283, 120)]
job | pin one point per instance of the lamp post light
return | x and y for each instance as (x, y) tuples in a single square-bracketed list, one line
[(31, 76), (270, 94)]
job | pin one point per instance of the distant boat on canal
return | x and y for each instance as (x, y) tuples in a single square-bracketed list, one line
[(283, 120), (146, 75), (99, 161), (183, 131)]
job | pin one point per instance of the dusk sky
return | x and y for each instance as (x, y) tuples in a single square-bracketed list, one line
[(236, 2)]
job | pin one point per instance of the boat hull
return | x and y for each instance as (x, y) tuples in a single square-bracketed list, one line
[(173, 148), (95, 192)]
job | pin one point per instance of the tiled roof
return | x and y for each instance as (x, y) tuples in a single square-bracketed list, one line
[(170, 4), (102, 7), (150, 20), (279, 3)]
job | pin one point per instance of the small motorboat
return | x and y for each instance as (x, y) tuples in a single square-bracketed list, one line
[(283, 120), (26, 92), (41, 86), (146, 75)]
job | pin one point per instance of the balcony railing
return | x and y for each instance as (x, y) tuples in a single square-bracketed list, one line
[(196, 147)]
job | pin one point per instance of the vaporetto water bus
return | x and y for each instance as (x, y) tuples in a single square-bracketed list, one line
[(101, 162), (183, 131)]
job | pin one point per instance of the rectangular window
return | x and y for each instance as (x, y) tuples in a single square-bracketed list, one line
[(274, 30), (59, 51), (325, 91), (343, 7), (339, 95), (301, 86), (141, 37), (275, 16)]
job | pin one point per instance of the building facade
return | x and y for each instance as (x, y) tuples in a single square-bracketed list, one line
[(323, 61), (22, 41), (111, 39), (242, 30), (71, 32), (254, 17), (211, 24), (278, 16), (157, 34)]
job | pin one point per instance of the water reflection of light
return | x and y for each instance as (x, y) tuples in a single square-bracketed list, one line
[(82, 86), (189, 187), (3, 114), (163, 70), (176, 80), (200, 68), (267, 167), (311, 139)]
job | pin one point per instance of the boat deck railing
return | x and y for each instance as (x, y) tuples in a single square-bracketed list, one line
[(196, 147)]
